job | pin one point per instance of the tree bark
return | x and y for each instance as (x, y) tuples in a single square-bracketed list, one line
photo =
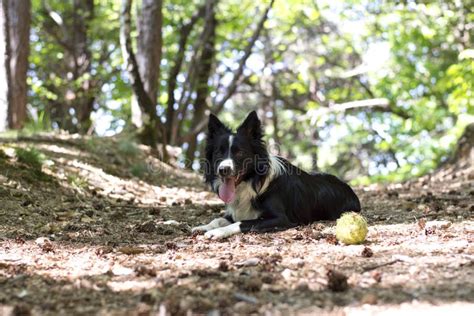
[(149, 51), (15, 28), (202, 80), (151, 123), (83, 103), (4, 65)]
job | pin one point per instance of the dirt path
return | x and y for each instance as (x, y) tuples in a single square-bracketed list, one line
[(86, 236)]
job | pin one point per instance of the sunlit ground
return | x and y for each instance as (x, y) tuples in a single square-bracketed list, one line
[(88, 239)]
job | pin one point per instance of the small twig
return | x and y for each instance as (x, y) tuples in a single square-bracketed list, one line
[(376, 266), (245, 298)]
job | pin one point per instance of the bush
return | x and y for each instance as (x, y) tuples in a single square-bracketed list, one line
[(30, 156)]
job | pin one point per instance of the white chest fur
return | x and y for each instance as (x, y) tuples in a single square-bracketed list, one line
[(241, 208)]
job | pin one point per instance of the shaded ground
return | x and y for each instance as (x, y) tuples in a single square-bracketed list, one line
[(105, 229)]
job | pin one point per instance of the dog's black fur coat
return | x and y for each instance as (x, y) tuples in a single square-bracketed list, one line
[(283, 195)]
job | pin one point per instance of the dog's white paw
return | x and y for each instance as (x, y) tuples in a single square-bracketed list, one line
[(223, 232), (215, 234), (199, 229)]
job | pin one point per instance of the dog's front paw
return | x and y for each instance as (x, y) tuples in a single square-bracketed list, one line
[(216, 234), (223, 232), (199, 229)]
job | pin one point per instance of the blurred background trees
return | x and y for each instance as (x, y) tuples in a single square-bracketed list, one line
[(366, 90)]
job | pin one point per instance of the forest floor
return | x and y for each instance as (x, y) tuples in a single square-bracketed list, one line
[(103, 228)]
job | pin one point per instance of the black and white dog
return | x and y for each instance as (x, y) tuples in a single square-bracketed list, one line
[(264, 192)]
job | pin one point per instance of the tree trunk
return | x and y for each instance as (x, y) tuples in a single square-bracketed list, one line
[(83, 103), (4, 65), (149, 45), (14, 41), (145, 99), (202, 86), (171, 115)]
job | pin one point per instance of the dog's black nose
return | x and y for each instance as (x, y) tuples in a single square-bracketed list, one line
[(225, 171)]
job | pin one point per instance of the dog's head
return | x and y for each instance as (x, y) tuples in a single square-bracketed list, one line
[(235, 157)]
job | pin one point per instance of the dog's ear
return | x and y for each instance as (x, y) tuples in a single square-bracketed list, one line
[(251, 126), (214, 125)]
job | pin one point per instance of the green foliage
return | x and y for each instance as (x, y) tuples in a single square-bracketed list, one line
[(77, 181), (139, 169), (31, 157), (40, 123), (311, 57), (128, 148)]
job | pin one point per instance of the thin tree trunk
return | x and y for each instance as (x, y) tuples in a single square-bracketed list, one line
[(185, 31), (15, 20), (80, 91), (4, 65), (19, 20), (202, 86), (83, 14)]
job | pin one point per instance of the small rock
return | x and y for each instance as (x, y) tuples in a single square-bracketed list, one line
[(377, 276), (248, 263), (286, 274), (337, 281), (119, 270), (244, 308), (367, 252), (45, 244), (143, 270), (296, 263), (331, 239), (223, 266)]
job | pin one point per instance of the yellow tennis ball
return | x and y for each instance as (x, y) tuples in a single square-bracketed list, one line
[(351, 228)]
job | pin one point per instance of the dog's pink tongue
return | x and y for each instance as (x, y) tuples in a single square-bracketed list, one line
[(227, 190)]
